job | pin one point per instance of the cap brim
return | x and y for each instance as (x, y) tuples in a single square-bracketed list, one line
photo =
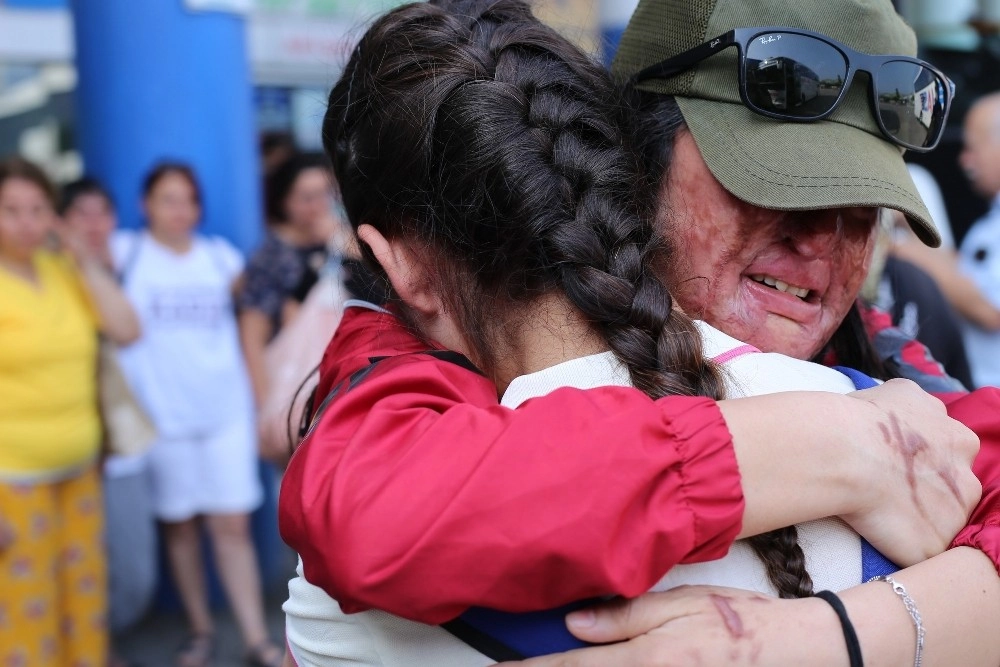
[(835, 165)]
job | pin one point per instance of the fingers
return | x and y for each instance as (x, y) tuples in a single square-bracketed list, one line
[(624, 619)]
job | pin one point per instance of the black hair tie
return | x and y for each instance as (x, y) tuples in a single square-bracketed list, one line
[(853, 645)]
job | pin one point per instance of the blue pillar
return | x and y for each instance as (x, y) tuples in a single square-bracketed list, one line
[(158, 81)]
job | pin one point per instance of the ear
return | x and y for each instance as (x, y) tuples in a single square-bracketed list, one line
[(406, 272)]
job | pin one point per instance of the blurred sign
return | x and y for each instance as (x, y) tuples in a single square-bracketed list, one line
[(33, 36), (235, 6), (347, 10)]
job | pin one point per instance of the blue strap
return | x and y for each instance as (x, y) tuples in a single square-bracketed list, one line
[(873, 563), (860, 380), (531, 634)]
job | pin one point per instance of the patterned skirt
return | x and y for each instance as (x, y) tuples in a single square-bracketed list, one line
[(53, 580)]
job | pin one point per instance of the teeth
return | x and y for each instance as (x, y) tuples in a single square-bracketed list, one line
[(781, 285)]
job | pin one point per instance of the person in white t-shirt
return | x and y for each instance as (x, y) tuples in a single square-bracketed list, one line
[(189, 373)]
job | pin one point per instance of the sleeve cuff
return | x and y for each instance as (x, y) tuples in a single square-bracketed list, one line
[(985, 537), (711, 480)]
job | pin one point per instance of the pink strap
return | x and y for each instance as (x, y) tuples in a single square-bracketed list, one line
[(729, 355)]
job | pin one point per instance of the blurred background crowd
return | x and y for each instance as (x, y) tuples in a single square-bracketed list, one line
[(173, 260)]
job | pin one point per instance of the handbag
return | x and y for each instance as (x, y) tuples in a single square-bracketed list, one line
[(292, 361), (128, 429)]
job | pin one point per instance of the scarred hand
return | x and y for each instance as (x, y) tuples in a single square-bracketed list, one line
[(923, 487), (703, 625)]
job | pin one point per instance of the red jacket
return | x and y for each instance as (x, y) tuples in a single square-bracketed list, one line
[(418, 494)]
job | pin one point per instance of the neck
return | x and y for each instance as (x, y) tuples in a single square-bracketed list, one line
[(176, 242), (19, 263), (550, 331)]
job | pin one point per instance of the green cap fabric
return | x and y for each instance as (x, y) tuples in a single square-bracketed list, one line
[(839, 162)]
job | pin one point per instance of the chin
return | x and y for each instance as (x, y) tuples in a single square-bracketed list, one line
[(791, 345)]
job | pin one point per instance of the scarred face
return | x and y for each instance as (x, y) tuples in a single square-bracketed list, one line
[(780, 280)]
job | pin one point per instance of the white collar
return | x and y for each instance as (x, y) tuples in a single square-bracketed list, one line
[(599, 370), (595, 370)]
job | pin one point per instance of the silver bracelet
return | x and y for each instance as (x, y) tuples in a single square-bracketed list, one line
[(911, 607)]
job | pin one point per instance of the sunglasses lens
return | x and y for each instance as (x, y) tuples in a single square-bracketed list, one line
[(793, 75), (911, 103)]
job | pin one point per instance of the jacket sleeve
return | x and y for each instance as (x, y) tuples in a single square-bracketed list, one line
[(912, 358), (418, 494), (979, 411)]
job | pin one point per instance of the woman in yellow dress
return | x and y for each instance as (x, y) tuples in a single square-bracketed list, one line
[(53, 305)]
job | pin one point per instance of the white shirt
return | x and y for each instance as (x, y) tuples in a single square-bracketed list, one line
[(187, 370), (832, 549), (979, 258), (319, 634)]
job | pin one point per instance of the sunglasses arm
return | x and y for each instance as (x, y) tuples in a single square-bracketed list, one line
[(683, 61)]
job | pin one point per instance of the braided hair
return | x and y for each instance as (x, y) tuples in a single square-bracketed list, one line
[(658, 121), (475, 131)]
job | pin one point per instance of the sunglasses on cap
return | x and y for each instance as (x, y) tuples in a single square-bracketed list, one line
[(799, 75)]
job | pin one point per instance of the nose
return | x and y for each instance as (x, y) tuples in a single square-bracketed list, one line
[(815, 234)]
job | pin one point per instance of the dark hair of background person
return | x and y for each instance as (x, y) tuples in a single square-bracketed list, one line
[(511, 163), (18, 167), (81, 187), (658, 120), (281, 181), (163, 169)]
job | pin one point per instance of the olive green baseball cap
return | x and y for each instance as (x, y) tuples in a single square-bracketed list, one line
[(838, 162)]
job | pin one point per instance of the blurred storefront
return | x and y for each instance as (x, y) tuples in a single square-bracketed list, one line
[(296, 47)]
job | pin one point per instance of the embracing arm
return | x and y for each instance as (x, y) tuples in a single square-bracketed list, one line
[(578, 494), (440, 491), (871, 446), (957, 594), (958, 597)]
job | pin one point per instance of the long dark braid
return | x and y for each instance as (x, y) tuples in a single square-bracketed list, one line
[(659, 121), (478, 131)]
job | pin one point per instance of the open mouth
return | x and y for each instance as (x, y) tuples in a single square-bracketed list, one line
[(782, 286)]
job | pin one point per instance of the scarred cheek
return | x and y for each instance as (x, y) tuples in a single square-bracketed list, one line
[(857, 251)]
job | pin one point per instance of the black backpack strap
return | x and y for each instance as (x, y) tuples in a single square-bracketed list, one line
[(356, 377), (492, 648), (444, 355)]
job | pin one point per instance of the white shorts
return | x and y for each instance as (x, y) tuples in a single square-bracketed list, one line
[(215, 473)]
